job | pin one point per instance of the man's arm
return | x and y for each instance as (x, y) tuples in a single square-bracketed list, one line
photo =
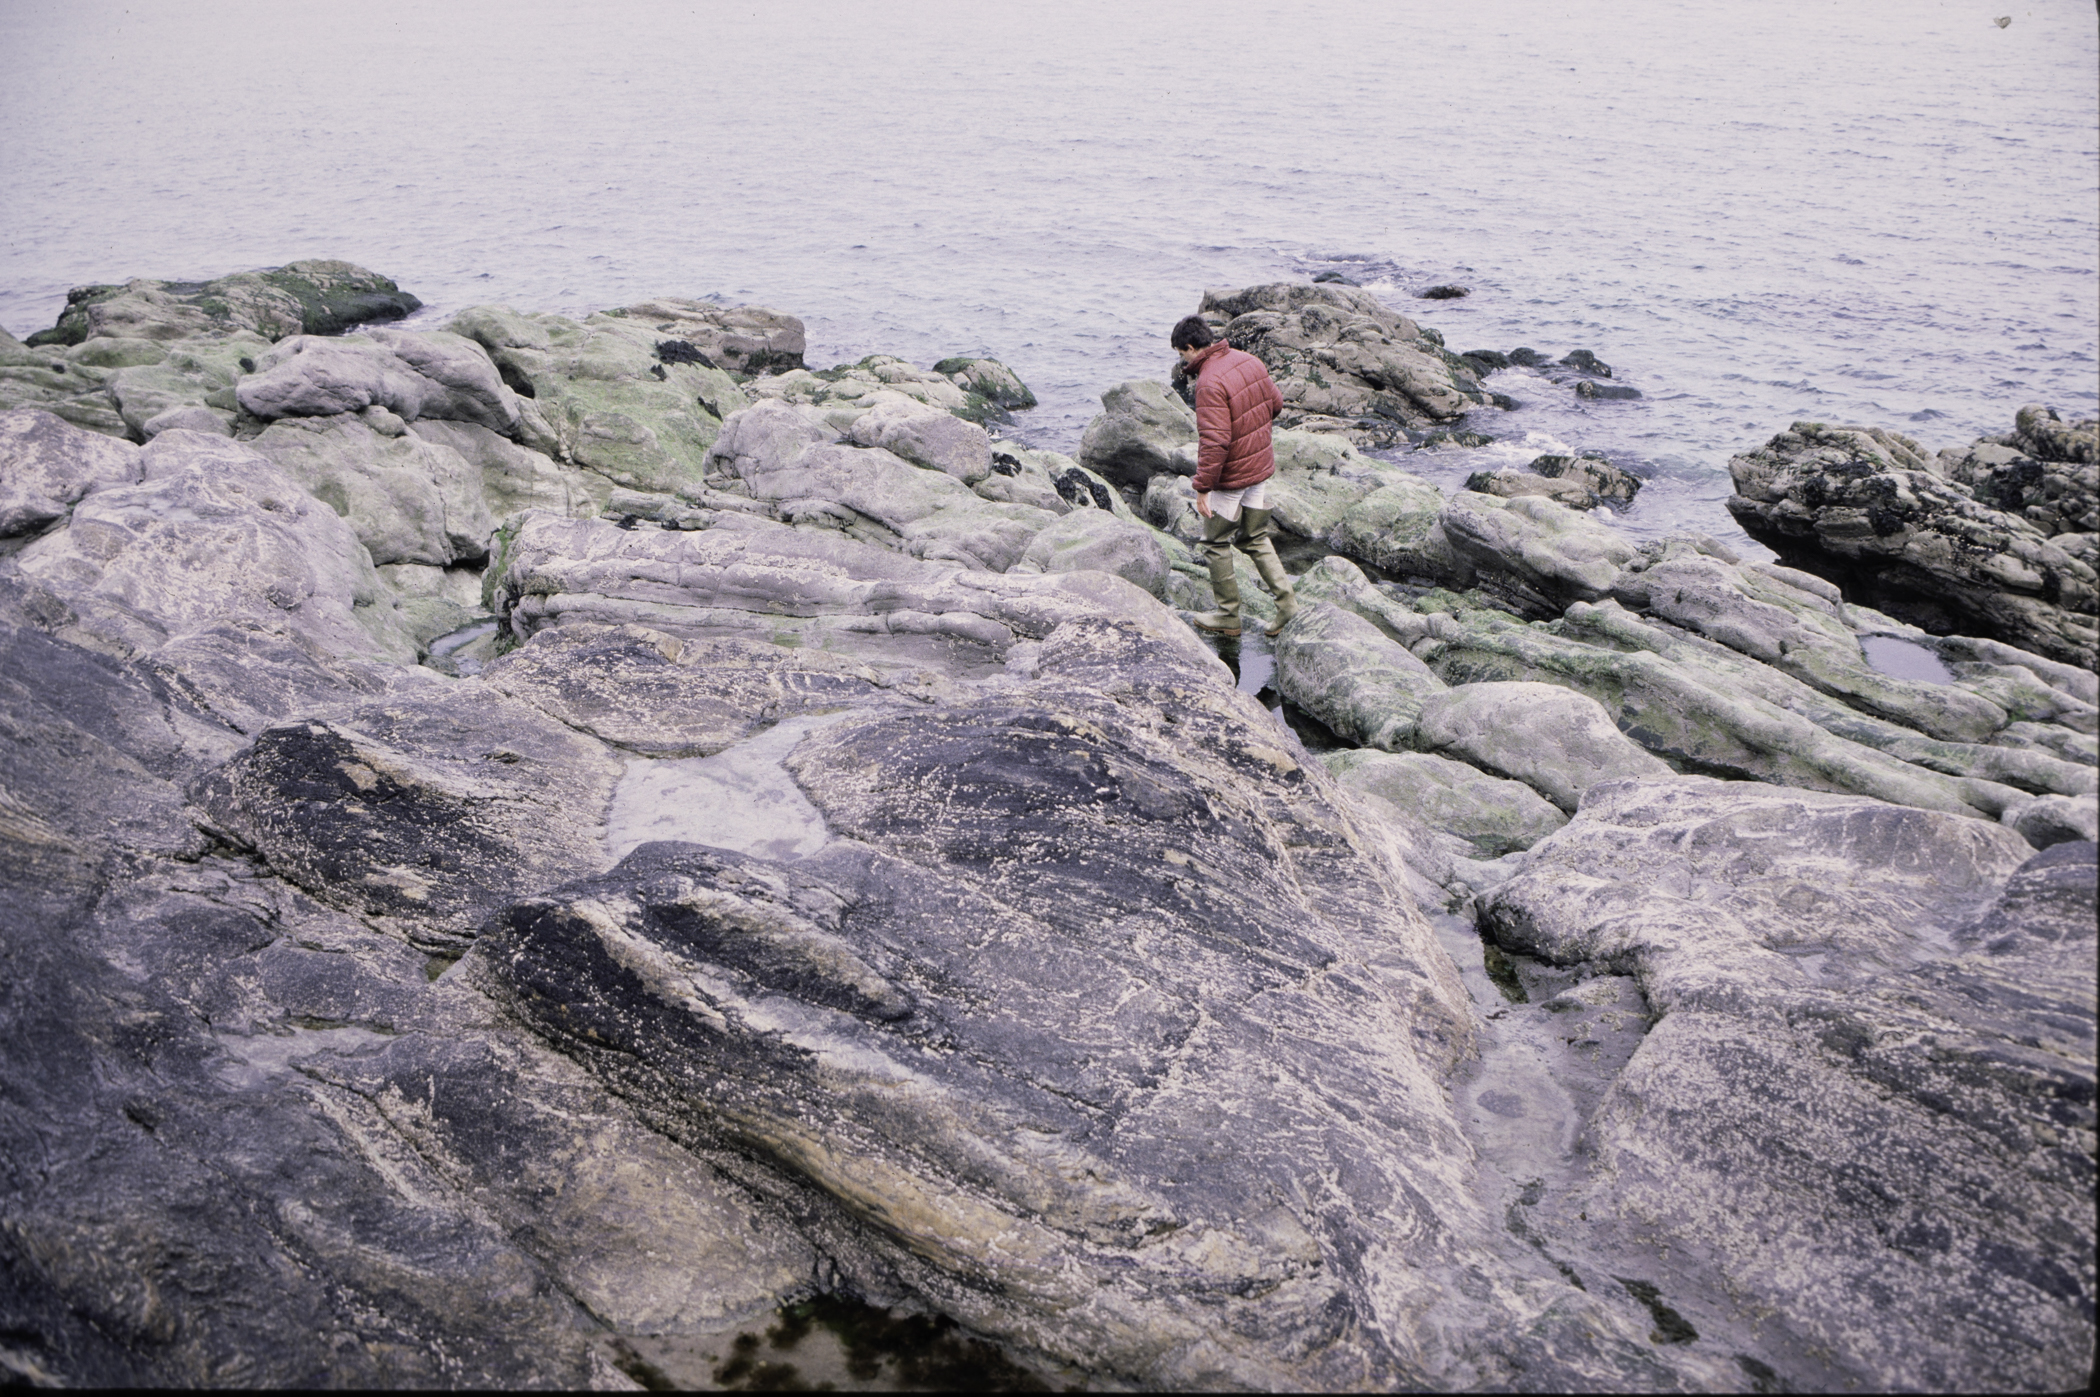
[(1213, 432)]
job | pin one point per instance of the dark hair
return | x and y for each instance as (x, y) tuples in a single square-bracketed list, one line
[(1192, 332)]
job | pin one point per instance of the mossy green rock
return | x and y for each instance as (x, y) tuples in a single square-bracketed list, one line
[(1494, 815), (614, 406), (318, 297)]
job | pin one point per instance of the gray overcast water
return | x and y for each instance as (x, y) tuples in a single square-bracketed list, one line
[(1882, 211)]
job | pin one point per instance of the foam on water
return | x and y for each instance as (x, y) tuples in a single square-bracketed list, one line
[(1879, 211)]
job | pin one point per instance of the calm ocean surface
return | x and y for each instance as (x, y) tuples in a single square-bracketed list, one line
[(1882, 211)]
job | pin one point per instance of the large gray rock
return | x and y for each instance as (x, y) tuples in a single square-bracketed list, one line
[(212, 534), (926, 436), (1798, 632), (1493, 815), (409, 499), (1055, 1038), (1143, 430), (268, 1148), (1355, 679), (411, 375), (1537, 554), (1864, 508), (2043, 471), (1819, 1036), (784, 455), (1556, 741), (606, 393), (192, 383), (740, 339), (47, 465), (1092, 538)]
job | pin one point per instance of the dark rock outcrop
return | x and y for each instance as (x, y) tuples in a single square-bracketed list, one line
[(316, 297), (1868, 510), (1344, 362)]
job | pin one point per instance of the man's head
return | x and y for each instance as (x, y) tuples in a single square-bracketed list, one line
[(1190, 335)]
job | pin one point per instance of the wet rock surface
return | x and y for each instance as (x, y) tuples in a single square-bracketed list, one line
[(542, 851)]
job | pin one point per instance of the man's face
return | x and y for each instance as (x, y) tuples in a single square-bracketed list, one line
[(1188, 356)]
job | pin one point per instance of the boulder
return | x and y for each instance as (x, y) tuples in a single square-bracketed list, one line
[(740, 339), (191, 380), (1089, 538), (213, 533), (1343, 362), (1020, 475), (843, 393), (2043, 471), (1493, 815), (1088, 1131), (1360, 683), (871, 494), (409, 500), (1143, 430), (2046, 821), (47, 465), (1558, 742), (516, 478), (74, 392), (999, 386), (925, 436), (315, 297), (329, 1168), (1854, 1013), (410, 375), (606, 395), (1865, 509), (1799, 633), (1535, 553)]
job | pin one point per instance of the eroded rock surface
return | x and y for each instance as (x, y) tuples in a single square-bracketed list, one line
[(812, 858)]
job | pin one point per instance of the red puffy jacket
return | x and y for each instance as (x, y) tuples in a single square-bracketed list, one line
[(1236, 400)]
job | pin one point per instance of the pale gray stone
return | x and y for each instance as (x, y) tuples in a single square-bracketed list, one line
[(47, 465)]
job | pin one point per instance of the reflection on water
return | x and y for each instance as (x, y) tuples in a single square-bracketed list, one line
[(1904, 659)]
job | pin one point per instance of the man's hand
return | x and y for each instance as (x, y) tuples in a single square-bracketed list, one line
[(1203, 504)]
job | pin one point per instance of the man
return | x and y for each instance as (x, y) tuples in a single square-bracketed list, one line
[(1236, 400)]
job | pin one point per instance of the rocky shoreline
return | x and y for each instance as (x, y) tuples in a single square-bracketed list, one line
[(538, 846)]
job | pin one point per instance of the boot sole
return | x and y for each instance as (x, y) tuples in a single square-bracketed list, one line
[(1213, 630)]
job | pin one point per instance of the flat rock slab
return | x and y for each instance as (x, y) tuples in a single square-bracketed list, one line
[(1829, 1030)]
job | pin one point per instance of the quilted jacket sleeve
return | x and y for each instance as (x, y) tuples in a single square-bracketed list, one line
[(1213, 430)]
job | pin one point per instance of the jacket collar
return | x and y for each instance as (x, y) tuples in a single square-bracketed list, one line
[(1208, 353)]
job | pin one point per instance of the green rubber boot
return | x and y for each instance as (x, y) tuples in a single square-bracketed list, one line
[(1224, 583), (1256, 543)]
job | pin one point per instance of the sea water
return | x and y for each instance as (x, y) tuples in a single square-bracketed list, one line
[(1875, 211)]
